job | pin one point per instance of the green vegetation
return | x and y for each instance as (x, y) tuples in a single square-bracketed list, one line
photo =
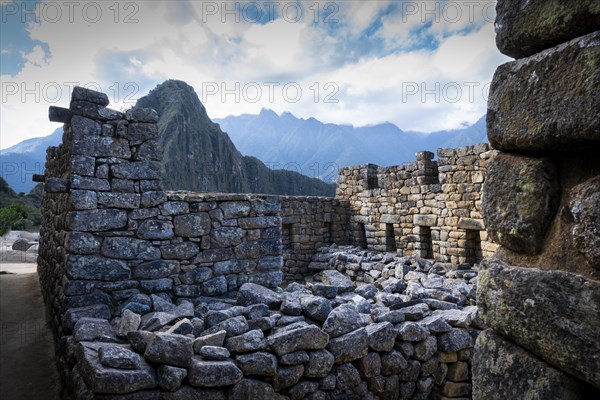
[(19, 211), (199, 156)]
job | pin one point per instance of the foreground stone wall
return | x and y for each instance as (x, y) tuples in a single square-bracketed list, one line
[(540, 294), (175, 295), (429, 209), (328, 340)]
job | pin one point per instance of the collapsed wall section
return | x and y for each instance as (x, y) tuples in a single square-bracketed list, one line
[(429, 209)]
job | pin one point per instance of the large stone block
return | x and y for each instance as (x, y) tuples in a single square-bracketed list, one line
[(101, 146), (129, 249), (520, 198), (553, 314), (137, 170), (119, 200), (585, 208), (84, 94), (548, 102), (192, 225), (503, 370), (524, 28), (102, 379), (297, 336), (97, 268), (97, 220), (213, 373), (155, 229), (140, 132)]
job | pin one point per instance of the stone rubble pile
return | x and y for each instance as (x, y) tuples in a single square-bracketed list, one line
[(424, 279), (407, 337)]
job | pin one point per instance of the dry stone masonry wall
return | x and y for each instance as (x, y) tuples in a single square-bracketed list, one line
[(429, 209), (540, 293), (176, 295)]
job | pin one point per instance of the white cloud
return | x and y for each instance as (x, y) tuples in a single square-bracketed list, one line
[(191, 44), (37, 57)]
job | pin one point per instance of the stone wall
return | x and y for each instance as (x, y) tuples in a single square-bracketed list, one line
[(540, 294), (429, 209), (307, 224), (156, 294)]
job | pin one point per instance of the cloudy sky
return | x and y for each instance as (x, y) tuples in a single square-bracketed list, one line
[(423, 65)]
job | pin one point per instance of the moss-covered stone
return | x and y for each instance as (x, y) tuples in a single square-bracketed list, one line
[(503, 370), (552, 314), (548, 102), (520, 197), (527, 27)]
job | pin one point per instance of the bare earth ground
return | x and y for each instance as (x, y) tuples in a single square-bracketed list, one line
[(27, 365)]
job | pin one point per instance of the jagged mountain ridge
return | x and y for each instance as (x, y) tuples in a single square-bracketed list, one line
[(21, 161), (198, 156), (309, 145), (281, 141)]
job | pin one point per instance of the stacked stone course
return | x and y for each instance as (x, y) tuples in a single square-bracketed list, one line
[(164, 295), (307, 224), (540, 293), (429, 209)]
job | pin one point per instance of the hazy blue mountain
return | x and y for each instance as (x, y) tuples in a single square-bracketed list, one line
[(308, 145), (19, 162)]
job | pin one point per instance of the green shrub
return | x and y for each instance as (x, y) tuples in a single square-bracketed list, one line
[(14, 216)]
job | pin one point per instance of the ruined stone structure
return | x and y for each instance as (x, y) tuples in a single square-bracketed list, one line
[(429, 209), (540, 294), (175, 295)]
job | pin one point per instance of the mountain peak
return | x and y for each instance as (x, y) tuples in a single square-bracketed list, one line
[(267, 112), (172, 92)]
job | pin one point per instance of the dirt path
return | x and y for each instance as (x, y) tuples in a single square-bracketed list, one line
[(27, 366)]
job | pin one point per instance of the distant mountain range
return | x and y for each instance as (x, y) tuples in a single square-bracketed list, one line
[(198, 156), (319, 149), (285, 143), (19, 162)]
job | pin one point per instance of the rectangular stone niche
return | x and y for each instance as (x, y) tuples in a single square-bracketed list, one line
[(287, 236), (424, 247), (390, 238), (328, 233), (474, 253), (361, 236)]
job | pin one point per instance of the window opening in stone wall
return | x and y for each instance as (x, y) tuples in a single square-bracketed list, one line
[(390, 238), (473, 247), (372, 183), (328, 233), (425, 245), (361, 238), (287, 236)]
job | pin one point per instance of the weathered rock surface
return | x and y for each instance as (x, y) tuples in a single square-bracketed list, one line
[(585, 208), (251, 293), (104, 379), (503, 370), (526, 28), (547, 102), (170, 349), (298, 336), (559, 321), (520, 198), (213, 373)]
